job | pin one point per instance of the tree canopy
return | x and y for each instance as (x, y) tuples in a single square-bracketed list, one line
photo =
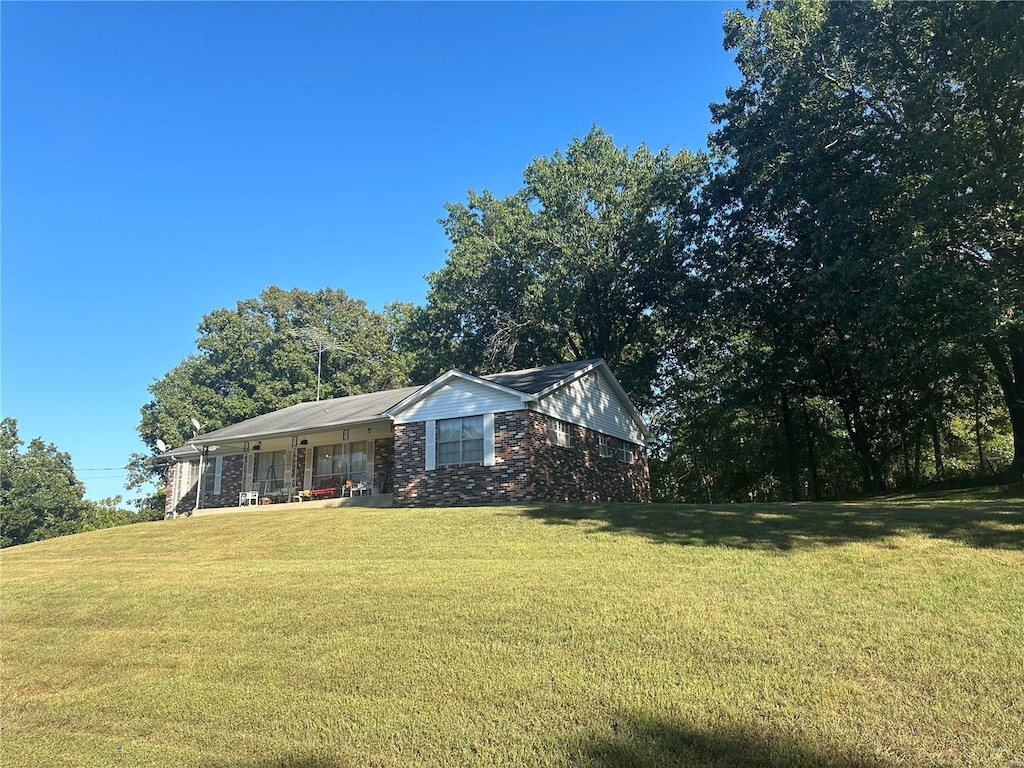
[(257, 357), (862, 248), (579, 263), (40, 496), (872, 171)]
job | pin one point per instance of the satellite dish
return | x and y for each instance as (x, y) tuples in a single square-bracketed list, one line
[(196, 424), (161, 445)]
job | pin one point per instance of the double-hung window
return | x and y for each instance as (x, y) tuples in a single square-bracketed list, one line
[(460, 441), (211, 475), (558, 432), (613, 447), (210, 480)]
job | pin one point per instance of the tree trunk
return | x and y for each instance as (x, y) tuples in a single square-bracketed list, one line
[(812, 458), (937, 449), (917, 457), (979, 443), (792, 455), (1009, 367), (856, 430)]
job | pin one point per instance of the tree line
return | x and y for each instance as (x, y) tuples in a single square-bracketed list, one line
[(826, 302), (41, 497)]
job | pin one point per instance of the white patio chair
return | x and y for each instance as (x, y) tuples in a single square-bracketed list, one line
[(250, 497)]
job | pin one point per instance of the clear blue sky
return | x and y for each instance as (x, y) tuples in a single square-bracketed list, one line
[(162, 160)]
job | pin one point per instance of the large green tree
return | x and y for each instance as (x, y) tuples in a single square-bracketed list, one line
[(579, 263), (868, 208), (257, 357), (40, 497)]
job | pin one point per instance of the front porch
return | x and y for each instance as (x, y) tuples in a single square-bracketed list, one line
[(379, 500), (326, 465)]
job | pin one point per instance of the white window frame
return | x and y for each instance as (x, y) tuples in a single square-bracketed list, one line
[(462, 451), (604, 443), (216, 464), (559, 432), (624, 452)]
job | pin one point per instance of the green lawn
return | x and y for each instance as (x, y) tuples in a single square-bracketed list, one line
[(873, 634)]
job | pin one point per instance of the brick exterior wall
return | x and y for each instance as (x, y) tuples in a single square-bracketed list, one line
[(527, 469), (230, 487), (579, 473), (383, 464)]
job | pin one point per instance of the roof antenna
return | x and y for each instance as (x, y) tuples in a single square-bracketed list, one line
[(321, 341)]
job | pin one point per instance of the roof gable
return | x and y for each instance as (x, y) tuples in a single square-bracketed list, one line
[(461, 386), (594, 398)]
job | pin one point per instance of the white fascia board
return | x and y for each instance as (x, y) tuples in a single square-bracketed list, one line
[(239, 442), (192, 449), (444, 379)]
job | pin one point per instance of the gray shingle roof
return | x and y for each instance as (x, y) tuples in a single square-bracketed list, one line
[(327, 414), (306, 417), (534, 380)]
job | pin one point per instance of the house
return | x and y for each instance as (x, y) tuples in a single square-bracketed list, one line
[(564, 432)]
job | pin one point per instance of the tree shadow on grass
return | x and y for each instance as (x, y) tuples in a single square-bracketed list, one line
[(643, 742), (995, 524)]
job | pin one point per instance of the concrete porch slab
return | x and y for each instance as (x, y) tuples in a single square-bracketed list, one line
[(379, 500)]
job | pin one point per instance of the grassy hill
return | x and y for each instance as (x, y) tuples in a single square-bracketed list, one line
[(871, 634)]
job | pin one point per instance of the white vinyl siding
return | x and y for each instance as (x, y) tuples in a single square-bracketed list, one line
[(460, 398), (591, 402)]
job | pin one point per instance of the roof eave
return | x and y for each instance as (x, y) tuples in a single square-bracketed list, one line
[(256, 437)]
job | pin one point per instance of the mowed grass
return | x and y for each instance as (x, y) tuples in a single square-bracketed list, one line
[(872, 634)]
